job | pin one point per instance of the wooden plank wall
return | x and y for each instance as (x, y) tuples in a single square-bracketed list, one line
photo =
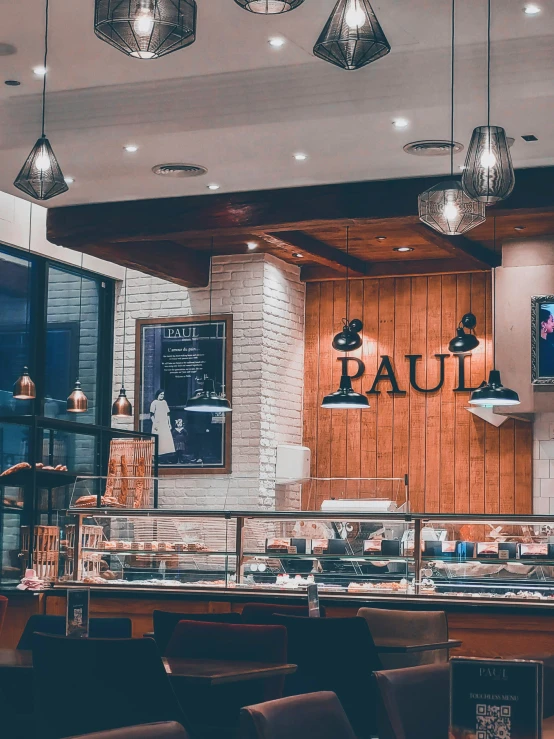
[(456, 462)]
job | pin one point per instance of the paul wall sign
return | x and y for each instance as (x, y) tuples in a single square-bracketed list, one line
[(387, 376)]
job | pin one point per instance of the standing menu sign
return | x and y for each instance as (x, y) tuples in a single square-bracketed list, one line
[(495, 699), (313, 601), (174, 356), (76, 620)]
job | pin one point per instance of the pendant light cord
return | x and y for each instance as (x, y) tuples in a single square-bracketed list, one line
[(211, 277), (452, 72), (45, 68), (80, 306), (29, 270), (489, 64), (124, 327), (347, 274), (494, 299)]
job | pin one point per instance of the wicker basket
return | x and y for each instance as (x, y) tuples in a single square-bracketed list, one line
[(46, 552), (130, 472)]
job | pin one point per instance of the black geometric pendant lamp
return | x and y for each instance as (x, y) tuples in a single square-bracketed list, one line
[(346, 397), (352, 37), (493, 394), (489, 173), (269, 7), (41, 176), (146, 29), (446, 207)]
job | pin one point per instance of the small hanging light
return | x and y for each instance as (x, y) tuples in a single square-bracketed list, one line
[(352, 37), (269, 7), (345, 396), (208, 400), (446, 207), (122, 407), (77, 402), (493, 393), (146, 29), (24, 388), (41, 176), (489, 173), (464, 343)]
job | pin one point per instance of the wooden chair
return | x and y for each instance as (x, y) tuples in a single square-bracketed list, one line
[(165, 622)]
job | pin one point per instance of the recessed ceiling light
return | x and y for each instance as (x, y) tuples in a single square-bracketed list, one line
[(519, 228), (213, 186), (381, 238), (300, 156), (12, 83), (131, 148), (69, 180), (401, 123), (252, 245), (297, 255), (532, 9), (39, 71), (403, 248), (276, 42)]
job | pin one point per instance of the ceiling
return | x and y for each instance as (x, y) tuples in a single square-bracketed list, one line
[(242, 109)]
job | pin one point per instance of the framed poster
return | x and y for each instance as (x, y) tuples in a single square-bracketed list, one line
[(173, 357), (542, 339)]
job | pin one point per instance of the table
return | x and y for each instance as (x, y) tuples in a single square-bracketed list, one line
[(399, 646), (194, 671)]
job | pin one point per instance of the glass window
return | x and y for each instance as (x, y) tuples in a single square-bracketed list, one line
[(72, 347), (14, 336)]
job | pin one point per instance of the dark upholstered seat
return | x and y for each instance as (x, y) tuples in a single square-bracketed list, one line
[(99, 628), (261, 613), (166, 621), (168, 730)]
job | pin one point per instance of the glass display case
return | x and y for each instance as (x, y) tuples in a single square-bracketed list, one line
[(350, 554)]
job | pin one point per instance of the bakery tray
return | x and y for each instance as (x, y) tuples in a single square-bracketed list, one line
[(48, 479)]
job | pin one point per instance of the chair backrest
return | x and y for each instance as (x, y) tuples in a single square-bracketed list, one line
[(99, 628), (105, 684), (313, 716), (202, 640), (166, 730), (414, 702), (3, 609), (261, 613), (338, 655), (165, 622), (413, 626)]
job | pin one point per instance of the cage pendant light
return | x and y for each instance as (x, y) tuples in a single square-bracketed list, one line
[(489, 173), (146, 29), (207, 400), (352, 37), (24, 388), (122, 407), (78, 401), (41, 176), (346, 397), (493, 394), (446, 207), (269, 7)]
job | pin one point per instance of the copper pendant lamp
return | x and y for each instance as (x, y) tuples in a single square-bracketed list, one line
[(24, 388), (122, 407), (78, 401)]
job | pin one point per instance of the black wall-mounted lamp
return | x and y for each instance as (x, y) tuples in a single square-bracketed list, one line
[(463, 342)]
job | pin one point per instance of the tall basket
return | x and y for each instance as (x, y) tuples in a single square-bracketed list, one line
[(130, 472), (46, 551)]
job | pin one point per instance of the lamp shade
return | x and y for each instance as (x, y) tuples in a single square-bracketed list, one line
[(352, 37), (208, 401), (24, 388), (77, 401), (345, 397), (269, 7), (122, 407), (493, 393), (41, 176), (449, 210), (463, 343), (489, 173), (146, 29)]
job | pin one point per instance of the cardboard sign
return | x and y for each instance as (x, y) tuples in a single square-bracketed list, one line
[(495, 699)]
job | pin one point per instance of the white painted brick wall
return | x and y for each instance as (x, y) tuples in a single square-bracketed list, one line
[(266, 298), (543, 465)]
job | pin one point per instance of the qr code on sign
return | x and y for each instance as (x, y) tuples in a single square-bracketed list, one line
[(493, 722)]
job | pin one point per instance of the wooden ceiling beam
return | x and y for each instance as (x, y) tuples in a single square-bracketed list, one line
[(163, 259), (321, 252), (397, 268), (459, 246)]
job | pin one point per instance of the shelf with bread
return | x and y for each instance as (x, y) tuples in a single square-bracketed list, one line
[(48, 477)]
